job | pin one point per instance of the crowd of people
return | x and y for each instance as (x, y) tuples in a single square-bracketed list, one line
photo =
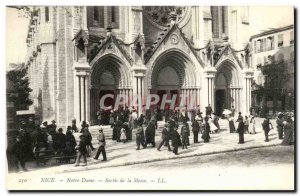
[(37, 140)]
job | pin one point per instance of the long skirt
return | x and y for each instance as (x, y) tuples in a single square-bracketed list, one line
[(115, 133), (213, 127), (205, 136), (288, 138)]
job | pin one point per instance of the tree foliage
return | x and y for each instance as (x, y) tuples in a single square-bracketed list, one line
[(18, 91)]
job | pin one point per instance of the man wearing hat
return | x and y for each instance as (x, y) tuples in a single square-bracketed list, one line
[(266, 127), (199, 120), (44, 127), (101, 149), (240, 129), (140, 137), (52, 128), (195, 130), (150, 133), (175, 140), (279, 122), (165, 136), (19, 152)]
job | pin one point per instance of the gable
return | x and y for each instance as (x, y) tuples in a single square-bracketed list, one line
[(110, 45), (171, 38), (228, 54)]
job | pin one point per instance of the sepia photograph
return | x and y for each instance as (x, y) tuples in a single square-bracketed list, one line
[(157, 98)]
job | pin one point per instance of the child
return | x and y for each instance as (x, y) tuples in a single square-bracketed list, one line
[(82, 151), (123, 137)]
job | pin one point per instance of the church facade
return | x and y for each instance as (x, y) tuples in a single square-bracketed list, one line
[(76, 55)]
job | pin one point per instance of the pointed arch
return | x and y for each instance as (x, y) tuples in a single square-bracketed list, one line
[(188, 74), (118, 68)]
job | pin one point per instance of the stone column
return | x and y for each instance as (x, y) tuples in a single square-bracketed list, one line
[(209, 74), (82, 98), (138, 87), (247, 80), (82, 92), (87, 99)]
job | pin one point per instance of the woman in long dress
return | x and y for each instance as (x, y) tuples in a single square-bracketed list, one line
[(288, 131), (205, 135), (252, 131), (213, 127)]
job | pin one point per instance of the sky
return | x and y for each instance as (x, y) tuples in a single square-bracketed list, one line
[(260, 18)]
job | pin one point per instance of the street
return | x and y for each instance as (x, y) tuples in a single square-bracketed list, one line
[(264, 168)]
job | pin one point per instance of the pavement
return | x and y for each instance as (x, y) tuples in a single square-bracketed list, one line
[(119, 154)]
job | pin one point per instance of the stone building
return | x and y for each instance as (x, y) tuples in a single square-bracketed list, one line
[(273, 64), (78, 54)]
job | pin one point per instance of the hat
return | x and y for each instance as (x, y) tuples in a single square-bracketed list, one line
[(101, 129), (45, 123), (60, 130), (53, 121), (69, 127)]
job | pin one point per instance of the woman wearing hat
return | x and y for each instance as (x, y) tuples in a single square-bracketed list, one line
[(205, 135), (288, 131)]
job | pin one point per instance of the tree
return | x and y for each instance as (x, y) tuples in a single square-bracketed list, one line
[(19, 90)]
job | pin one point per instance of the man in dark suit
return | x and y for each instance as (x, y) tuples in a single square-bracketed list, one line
[(240, 130), (280, 125), (150, 133), (195, 129), (165, 136), (266, 127), (101, 149), (208, 110), (19, 153), (175, 141), (140, 137)]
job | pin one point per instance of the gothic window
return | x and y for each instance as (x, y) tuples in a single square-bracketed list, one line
[(80, 49), (219, 22), (98, 16), (138, 53), (113, 14), (158, 15), (46, 14), (280, 40)]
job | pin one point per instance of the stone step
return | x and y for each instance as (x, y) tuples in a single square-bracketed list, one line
[(108, 131)]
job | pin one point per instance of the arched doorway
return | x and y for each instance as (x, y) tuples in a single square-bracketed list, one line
[(110, 77), (221, 94), (227, 88), (174, 74)]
